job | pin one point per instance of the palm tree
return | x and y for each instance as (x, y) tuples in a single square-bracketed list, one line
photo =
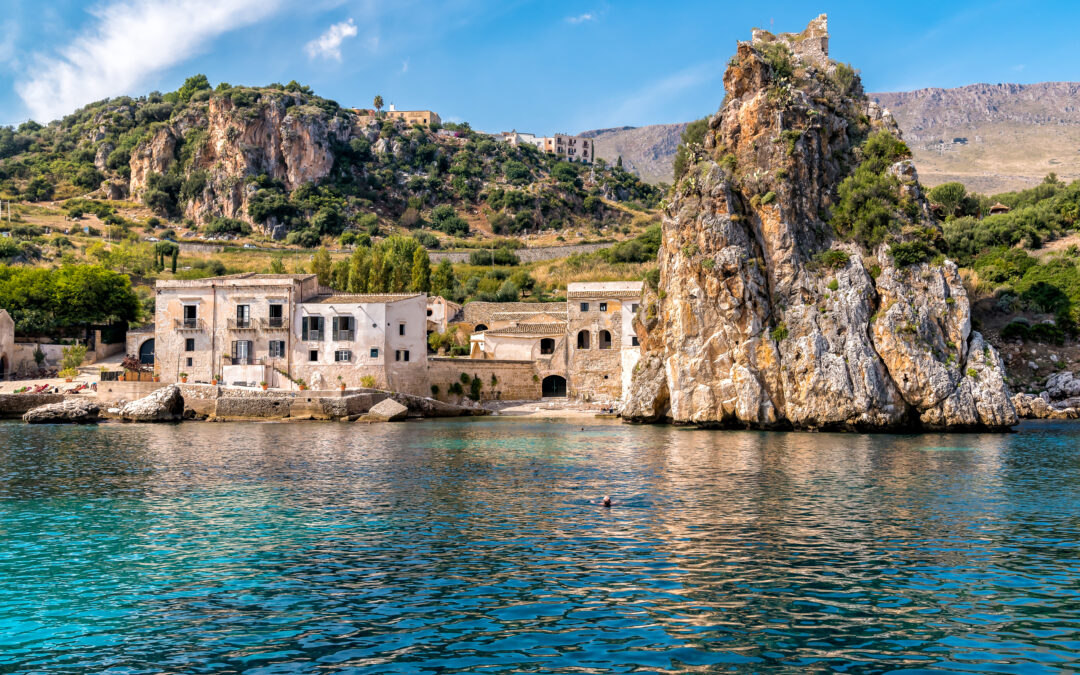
[(378, 102)]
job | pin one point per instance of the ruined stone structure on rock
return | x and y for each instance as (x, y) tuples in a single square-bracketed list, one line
[(768, 316)]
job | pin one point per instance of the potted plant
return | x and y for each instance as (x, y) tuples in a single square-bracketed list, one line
[(183, 377), (263, 385), (157, 377), (214, 380), (300, 383), (341, 381), (69, 374)]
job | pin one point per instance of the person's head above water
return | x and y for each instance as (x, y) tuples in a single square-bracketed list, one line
[(606, 501)]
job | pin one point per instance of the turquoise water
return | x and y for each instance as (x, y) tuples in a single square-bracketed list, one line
[(476, 546)]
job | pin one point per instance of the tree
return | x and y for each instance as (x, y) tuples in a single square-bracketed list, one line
[(378, 102), (321, 266), (949, 195), (277, 265), (618, 162), (443, 280), (421, 271), (191, 85)]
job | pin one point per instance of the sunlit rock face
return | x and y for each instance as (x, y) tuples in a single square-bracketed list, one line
[(763, 316)]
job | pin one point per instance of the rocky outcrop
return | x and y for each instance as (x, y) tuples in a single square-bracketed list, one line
[(68, 411), (164, 405), (1030, 406), (764, 315), (388, 410), (222, 144)]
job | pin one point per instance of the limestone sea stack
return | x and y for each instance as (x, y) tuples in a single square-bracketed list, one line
[(803, 281)]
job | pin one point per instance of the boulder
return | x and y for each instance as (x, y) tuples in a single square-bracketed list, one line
[(69, 411), (1062, 385), (164, 405), (388, 410), (1029, 406)]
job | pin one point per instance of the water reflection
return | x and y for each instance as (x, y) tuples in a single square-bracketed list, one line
[(471, 545)]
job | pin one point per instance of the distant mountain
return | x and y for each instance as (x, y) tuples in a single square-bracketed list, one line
[(646, 151), (991, 137)]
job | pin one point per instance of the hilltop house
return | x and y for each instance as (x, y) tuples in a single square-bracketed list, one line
[(570, 148)]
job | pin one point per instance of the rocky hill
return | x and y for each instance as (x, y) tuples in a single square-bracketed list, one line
[(800, 281), (288, 162), (991, 137)]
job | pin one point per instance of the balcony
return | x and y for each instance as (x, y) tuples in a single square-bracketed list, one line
[(245, 361), (278, 323), (344, 335), (314, 335), (241, 324), (188, 325)]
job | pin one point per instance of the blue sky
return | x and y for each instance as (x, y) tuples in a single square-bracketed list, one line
[(540, 66)]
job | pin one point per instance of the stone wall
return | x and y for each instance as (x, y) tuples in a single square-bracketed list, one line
[(595, 373), (526, 255), (14, 405), (109, 393), (515, 380)]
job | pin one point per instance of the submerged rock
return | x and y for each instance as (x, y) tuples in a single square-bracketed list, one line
[(767, 316), (69, 411), (164, 405)]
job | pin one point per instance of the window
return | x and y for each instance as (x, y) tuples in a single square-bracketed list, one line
[(584, 306), (547, 346), (401, 329), (401, 355), (311, 328), (191, 316), (243, 316), (189, 362), (277, 316), (583, 340), (241, 352), (374, 353), (634, 342), (605, 340), (277, 349), (313, 355), (342, 355), (343, 328), (603, 306), (189, 345), (429, 312), (633, 308)]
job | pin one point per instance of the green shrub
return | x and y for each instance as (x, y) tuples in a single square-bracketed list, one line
[(834, 285), (910, 253), (832, 259), (768, 198), (780, 332)]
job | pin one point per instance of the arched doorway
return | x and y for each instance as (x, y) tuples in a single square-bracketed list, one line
[(553, 386), (480, 328), (146, 352)]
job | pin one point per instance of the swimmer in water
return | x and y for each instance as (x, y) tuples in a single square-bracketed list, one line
[(606, 502)]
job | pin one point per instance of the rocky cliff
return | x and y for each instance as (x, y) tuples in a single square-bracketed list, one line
[(799, 285), (222, 144)]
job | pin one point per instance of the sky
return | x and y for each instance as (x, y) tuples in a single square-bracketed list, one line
[(542, 66)]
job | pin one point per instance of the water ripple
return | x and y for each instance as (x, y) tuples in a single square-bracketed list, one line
[(478, 546)]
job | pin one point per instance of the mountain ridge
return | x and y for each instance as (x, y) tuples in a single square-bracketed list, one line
[(1014, 134)]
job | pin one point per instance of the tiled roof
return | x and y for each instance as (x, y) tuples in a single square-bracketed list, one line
[(518, 316), (604, 294), (353, 298), (483, 312), (553, 328)]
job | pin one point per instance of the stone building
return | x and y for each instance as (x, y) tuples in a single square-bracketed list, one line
[(279, 328), (424, 117), (585, 349), (7, 345)]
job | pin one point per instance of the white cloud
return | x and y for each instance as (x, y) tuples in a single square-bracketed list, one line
[(405, 67), (127, 42), (581, 18), (328, 45)]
